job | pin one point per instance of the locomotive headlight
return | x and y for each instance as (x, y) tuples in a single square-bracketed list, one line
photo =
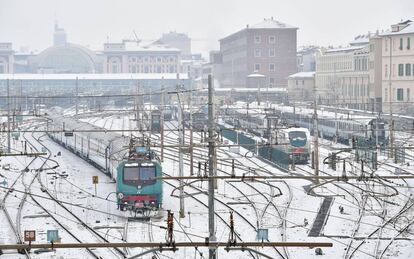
[(120, 195)]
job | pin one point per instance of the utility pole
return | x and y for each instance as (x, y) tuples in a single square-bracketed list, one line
[(162, 122), (336, 104), (211, 158), (76, 98), (315, 138), (8, 117), (191, 127), (391, 100), (136, 107), (180, 149)]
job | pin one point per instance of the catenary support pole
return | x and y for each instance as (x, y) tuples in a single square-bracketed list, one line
[(315, 137), (162, 121), (8, 117), (180, 151), (211, 156)]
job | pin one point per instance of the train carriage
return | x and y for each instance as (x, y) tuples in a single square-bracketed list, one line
[(136, 187)]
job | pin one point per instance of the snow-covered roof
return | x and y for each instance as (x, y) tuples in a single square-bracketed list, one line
[(361, 39), (303, 75), (272, 24), (144, 46), (119, 76), (346, 49), (406, 30), (256, 75), (138, 46), (265, 24), (250, 89)]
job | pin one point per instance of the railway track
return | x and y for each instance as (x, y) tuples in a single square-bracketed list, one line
[(69, 212), (16, 226), (269, 202)]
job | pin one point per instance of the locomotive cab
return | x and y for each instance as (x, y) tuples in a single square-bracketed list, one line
[(137, 187)]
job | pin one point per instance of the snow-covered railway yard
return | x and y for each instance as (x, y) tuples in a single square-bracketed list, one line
[(365, 219)]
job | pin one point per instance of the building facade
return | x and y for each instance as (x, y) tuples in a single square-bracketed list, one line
[(137, 57), (267, 48), (306, 58), (301, 87), (6, 58), (398, 67), (129, 56), (177, 40), (342, 76)]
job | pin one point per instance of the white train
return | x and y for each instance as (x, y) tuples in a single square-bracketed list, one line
[(105, 150), (295, 142), (261, 120), (243, 116)]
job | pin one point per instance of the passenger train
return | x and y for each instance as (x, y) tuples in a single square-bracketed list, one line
[(295, 142), (343, 127), (131, 164), (290, 144)]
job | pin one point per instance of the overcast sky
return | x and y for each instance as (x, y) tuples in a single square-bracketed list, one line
[(91, 22)]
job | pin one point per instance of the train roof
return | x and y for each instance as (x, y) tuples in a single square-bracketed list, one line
[(118, 143), (290, 129), (306, 112)]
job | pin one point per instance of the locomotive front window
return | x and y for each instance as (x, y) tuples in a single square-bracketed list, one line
[(131, 175), (146, 173), (297, 138)]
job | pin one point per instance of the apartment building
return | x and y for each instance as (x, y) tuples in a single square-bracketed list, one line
[(267, 48)]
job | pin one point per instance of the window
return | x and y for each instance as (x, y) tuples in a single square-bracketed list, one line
[(257, 39), (386, 71), (303, 82), (408, 69), (271, 67), (401, 43), (114, 68), (408, 43), (272, 39), (400, 69), (400, 94), (257, 67), (257, 53), (386, 45), (130, 175), (297, 82), (271, 52), (271, 81), (146, 173)]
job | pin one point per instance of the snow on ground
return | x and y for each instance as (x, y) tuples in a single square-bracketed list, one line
[(294, 206)]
